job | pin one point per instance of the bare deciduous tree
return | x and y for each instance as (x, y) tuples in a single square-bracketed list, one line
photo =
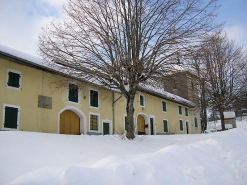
[(197, 63), (220, 66), (123, 43)]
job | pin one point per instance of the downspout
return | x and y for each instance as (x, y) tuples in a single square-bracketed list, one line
[(113, 109)]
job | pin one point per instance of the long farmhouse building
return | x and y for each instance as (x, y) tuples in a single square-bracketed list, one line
[(28, 102)]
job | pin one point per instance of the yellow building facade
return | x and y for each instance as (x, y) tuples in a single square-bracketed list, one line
[(32, 100)]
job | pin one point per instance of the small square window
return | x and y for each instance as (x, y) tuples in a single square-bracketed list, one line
[(165, 124), (186, 112), (181, 126), (164, 106), (13, 79), (180, 110), (73, 93), (94, 122), (94, 98), (10, 117), (142, 100)]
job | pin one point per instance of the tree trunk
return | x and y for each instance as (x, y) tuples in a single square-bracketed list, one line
[(203, 109), (222, 118), (130, 115)]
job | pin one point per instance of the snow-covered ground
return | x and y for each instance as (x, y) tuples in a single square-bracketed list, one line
[(40, 158)]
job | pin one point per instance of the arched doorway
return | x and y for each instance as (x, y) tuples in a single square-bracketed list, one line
[(141, 125), (69, 123), (79, 113)]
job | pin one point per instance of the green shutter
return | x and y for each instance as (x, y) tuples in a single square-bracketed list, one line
[(125, 122), (165, 125), (106, 129), (141, 100), (186, 111), (11, 115), (14, 80), (181, 125), (73, 93), (180, 110), (164, 106), (196, 122), (94, 99), (17, 80)]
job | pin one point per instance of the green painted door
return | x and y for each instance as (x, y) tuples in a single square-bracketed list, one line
[(106, 129)]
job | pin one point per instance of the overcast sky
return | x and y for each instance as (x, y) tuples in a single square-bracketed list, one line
[(21, 21)]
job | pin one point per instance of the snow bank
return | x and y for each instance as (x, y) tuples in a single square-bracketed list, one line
[(217, 158)]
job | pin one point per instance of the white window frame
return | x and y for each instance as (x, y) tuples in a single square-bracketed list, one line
[(7, 79), (96, 114), (181, 110), (185, 111), (3, 117), (90, 98), (68, 94), (167, 126), (110, 126), (179, 125), (144, 100), (162, 106)]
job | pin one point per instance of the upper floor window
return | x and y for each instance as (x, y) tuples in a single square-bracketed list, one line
[(180, 110), (164, 106), (186, 112), (73, 93), (181, 125), (196, 125), (13, 79), (142, 100), (94, 98)]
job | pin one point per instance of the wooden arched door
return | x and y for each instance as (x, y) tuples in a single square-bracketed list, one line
[(141, 125), (69, 123)]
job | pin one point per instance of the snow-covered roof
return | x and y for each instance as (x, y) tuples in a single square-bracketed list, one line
[(228, 115), (34, 61), (161, 93)]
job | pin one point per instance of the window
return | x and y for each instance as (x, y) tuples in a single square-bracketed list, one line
[(181, 126), (94, 122), (73, 93), (94, 98), (196, 122), (11, 117), (186, 112), (180, 110), (142, 100), (165, 124), (125, 123), (163, 106), (13, 79)]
